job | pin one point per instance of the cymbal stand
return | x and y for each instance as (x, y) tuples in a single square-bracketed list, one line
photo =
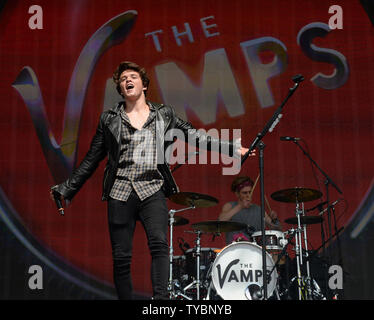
[(196, 282), (308, 277), (298, 251), (171, 283), (300, 234)]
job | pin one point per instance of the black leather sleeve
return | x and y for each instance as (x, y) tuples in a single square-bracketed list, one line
[(87, 167)]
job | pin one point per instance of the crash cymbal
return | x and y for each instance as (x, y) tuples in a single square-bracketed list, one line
[(193, 199), (296, 195), (219, 226), (305, 220), (179, 221)]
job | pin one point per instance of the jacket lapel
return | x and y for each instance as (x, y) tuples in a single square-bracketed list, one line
[(114, 124)]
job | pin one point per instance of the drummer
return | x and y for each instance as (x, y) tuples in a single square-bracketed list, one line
[(243, 210)]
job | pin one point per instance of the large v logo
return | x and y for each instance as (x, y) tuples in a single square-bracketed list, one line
[(221, 278), (61, 158)]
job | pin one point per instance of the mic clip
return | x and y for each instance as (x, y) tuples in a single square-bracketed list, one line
[(318, 206)]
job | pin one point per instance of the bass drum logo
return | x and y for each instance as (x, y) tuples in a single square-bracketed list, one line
[(237, 272)]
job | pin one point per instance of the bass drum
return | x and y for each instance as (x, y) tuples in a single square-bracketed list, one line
[(237, 272)]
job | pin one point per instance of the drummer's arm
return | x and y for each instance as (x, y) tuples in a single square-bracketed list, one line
[(228, 211), (273, 223)]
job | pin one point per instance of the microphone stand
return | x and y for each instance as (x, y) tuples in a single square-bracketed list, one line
[(327, 183), (258, 142), (326, 241)]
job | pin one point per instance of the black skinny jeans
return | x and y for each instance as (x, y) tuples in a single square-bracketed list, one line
[(122, 216)]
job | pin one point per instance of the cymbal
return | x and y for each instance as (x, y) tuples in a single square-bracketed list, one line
[(218, 226), (296, 195), (179, 221), (305, 220), (193, 199)]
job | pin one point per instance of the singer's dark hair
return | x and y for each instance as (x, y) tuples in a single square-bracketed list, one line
[(128, 65)]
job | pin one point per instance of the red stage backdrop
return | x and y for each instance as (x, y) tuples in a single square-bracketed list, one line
[(223, 65)]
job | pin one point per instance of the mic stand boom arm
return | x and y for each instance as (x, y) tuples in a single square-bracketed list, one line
[(274, 120), (328, 179), (258, 141)]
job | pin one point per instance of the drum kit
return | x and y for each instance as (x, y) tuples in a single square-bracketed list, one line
[(235, 272)]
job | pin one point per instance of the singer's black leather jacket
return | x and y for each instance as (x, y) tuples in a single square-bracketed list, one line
[(106, 142)]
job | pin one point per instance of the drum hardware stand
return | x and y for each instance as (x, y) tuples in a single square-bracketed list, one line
[(298, 251), (209, 275), (301, 233), (171, 283), (321, 246), (208, 292), (283, 253), (308, 278), (196, 282), (269, 127), (311, 285), (175, 294)]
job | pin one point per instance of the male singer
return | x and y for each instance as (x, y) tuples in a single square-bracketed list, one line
[(136, 182)]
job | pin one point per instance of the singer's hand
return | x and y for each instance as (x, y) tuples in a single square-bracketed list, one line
[(58, 198), (52, 197), (242, 150)]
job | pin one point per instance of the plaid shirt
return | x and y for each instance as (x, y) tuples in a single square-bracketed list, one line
[(137, 167)]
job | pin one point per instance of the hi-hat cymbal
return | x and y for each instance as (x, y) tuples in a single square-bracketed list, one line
[(219, 226), (305, 220), (179, 221), (193, 199), (296, 195)]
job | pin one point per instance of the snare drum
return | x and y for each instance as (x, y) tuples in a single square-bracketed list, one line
[(237, 272), (274, 239)]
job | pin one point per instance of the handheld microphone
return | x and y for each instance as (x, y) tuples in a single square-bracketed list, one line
[(58, 202), (289, 138), (298, 78)]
